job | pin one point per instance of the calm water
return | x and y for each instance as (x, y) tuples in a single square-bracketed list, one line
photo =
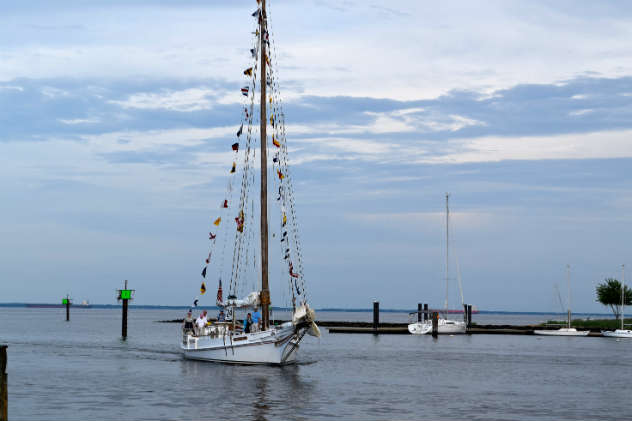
[(82, 370)]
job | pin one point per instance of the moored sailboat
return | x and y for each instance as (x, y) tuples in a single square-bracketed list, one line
[(568, 330), (620, 333), (260, 342), (445, 325)]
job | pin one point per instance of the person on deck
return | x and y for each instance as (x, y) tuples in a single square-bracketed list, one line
[(256, 320), (247, 323), (187, 323), (201, 321), (221, 317)]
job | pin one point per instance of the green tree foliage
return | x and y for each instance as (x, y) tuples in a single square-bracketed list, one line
[(609, 294)]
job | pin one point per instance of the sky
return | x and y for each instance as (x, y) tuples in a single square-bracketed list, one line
[(115, 116)]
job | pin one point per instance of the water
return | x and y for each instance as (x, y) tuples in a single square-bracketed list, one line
[(82, 370)]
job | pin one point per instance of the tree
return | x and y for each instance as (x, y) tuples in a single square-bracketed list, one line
[(609, 294)]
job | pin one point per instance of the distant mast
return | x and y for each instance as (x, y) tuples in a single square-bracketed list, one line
[(622, 294), (447, 251), (265, 291), (568, 281)]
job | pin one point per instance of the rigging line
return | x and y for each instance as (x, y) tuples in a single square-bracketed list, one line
[(225, 212), (294, 223), (237, 251), (282, 240), (559, 297), (458, 275), (458, 266), (292, 243), (287, 192)]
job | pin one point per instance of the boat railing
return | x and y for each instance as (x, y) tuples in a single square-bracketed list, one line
[(214, 330)]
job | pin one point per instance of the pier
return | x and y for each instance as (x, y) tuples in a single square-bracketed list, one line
[(402, 329)]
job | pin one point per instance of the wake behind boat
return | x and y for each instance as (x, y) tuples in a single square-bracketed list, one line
[(255, 341)]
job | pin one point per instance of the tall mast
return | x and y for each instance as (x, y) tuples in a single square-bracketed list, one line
[(447, 250), (568, 280), (622, 294), (265, 291)]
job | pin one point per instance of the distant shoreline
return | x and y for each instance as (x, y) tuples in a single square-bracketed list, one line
[(341, 310)]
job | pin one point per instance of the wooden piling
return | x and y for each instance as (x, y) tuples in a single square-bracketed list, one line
[(435, 324), (4, 394), (419, 312), (376, 315), (426, 312), (469, 316)]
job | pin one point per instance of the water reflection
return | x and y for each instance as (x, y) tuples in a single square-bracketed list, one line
[(260, 404), (254, 392)]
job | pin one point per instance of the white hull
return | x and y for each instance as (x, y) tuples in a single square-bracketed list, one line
[(444, 327), (275, 346), (562, 332), (619, 333)]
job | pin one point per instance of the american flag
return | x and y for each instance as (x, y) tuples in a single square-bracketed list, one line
[(219, 293)]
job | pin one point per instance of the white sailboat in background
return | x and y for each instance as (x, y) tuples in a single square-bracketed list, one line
[(445, 325), (229, 341), (568, 330), (620, 333)]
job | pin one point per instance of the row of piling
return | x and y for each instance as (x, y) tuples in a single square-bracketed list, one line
[(423, 314), (124, 295)]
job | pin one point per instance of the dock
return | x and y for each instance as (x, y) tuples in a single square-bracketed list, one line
[(402, 329)]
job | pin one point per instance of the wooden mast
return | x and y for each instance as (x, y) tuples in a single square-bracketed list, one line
[(265, 291)]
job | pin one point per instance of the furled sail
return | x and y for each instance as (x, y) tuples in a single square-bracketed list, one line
[(251, 300)]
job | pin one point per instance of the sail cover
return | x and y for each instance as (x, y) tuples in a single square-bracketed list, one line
[(251, 300)]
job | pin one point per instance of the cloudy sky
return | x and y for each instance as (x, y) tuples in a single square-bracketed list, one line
[(115, 116)]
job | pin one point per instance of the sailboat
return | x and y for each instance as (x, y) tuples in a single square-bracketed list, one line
[(445, 325), (568, 330), (263, 342), (620, 333)]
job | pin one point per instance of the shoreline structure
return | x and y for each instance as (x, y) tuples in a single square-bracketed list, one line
[(594, 325), (339, 310)]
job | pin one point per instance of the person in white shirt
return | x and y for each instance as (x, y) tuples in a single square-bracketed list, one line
[(201, 321)]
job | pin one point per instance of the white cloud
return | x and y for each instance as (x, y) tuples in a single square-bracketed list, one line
[(75, 121), (611, 144), (193, 99), (581, 112), (422, 51), (406, 219), (153, 140), (12, 88), (52, 92)]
